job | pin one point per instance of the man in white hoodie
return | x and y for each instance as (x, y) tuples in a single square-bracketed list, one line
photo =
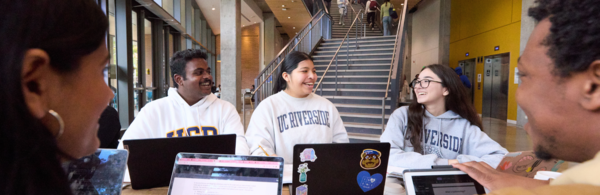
[(190, 108)]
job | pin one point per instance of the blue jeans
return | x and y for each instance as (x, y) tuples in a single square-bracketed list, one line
[(387, 22)]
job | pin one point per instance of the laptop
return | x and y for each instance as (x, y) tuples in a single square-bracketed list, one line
[(348, 168), (195, 173), (99, 173), (440, 181), (151, 160), (526, 164)]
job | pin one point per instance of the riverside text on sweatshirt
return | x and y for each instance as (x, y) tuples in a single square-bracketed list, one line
[(447, 136), (282, 121)]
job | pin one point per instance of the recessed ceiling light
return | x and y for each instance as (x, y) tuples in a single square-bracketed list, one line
[(289, 17), (282, 5), (284, 9), (294, 27), (213, 8), (402, 4), (254, 22)]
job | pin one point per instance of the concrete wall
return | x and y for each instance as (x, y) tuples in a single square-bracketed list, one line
[(477, 27), (425, 36), (250, 54)]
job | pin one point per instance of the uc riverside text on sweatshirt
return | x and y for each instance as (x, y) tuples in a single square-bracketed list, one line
[(172, 116), (447, 136), (282, 121)]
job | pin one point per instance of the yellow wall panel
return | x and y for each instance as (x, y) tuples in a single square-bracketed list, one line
[(478, 16), (517, 4), (482, 26)]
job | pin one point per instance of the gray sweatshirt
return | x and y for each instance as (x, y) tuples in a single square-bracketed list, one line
[(447, 136)]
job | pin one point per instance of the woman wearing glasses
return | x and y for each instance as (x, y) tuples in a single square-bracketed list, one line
[(440, 126)]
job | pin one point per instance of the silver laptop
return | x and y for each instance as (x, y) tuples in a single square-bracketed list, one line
[(195, 173)]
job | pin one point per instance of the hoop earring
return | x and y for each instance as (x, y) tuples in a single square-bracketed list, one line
[(61, 123)]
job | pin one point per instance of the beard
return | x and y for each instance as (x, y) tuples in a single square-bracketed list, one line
[(544, 152)]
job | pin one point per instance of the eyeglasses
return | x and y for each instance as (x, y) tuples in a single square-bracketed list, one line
[(423, 83)]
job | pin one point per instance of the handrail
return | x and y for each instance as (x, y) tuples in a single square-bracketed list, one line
[(395, 55), (274, 69), (190, 36), (325, 8), (335, 55), (290, 42)]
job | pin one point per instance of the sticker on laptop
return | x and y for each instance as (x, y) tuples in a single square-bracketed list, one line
[(302, 190), (370, 159), (367, 182), (302, 169), (308, 155)]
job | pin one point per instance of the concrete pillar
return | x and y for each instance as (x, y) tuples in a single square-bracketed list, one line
[(527, 25), (189, 24), (231, 49), (269, 37), (444, 49)]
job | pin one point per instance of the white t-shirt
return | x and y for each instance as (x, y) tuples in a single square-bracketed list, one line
[(282, 121), (172, 116)]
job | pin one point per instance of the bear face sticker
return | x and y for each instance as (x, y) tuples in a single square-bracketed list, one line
[(370, 159)]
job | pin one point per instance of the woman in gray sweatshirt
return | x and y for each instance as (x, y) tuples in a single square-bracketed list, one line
[(440, 126)]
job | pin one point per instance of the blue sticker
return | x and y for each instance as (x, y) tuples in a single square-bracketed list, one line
[(366, 182)]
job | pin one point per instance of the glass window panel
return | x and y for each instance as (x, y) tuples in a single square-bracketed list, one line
[(159, 2), (112, 45), (182, 6), (168, 6), (136, 76), (148, 57)]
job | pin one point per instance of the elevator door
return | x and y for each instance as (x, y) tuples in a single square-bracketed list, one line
[(495, 86), (468, 67)]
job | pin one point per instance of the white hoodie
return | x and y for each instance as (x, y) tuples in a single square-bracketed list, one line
[(282, 121), (172, 116)]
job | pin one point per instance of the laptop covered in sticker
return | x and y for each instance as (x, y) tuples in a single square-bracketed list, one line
[(341, 168)]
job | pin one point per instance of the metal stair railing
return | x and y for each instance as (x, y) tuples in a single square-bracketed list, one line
[(397, 54), (305, 41), (335, 57), (361, 26)]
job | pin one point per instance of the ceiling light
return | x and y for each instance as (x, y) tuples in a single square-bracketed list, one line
[(282, 5), (213, 8), (284, 9), (294, 27), (402, 4), (288, 17)]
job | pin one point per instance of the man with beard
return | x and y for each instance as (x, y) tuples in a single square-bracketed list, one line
[(190, 109), (560, 93)]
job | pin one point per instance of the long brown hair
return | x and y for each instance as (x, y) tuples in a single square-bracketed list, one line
[(457, 100)]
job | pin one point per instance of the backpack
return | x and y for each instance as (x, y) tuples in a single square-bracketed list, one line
[(373, 5), (393, 13)]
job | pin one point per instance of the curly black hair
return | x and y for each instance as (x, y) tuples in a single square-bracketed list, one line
[(181, 58), (574, 39)]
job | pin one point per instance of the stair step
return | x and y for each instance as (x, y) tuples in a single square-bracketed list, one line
[(361, 106), (357, 70), (359, 76), (353, 65), (356, 83), (355, 97), (354, 50), (364, 125), (353, 90), (370, 59), (362, 115), (351, 45), (351, 55), (362, 40)]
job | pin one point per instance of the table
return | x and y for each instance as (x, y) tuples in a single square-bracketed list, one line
[(392, 186)]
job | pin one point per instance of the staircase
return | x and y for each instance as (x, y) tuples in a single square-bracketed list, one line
[(362, 79), (338, 31)]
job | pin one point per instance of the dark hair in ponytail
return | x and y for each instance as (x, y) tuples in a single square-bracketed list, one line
[(457, 100), (290, 63)]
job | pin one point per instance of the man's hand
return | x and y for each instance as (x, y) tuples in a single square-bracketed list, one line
[(494, 180)]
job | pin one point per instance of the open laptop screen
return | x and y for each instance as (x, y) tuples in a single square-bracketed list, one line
[(226, 174)]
